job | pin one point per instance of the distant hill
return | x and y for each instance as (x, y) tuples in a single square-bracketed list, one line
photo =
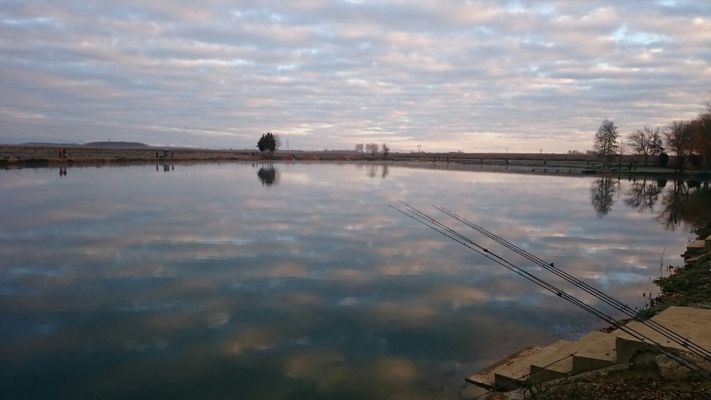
[(117, 145)]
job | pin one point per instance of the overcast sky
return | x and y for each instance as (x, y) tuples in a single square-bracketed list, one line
[(447, 75)]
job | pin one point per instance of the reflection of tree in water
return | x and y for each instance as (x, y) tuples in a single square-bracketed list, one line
[(602, 193), (166, 167), (643, 195), (688, 202), (680, 202), (268, 175), (373, 172)]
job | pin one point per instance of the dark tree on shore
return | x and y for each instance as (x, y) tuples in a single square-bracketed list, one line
[(679, 140), (268, 142), (386, 150), (702, 134), (656, 145), (606, 144), (646, 142)]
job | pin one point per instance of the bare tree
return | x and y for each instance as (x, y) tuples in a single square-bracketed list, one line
[(646, 142), (656, 146), (702, 134), (606, 144), (678, 137), (371, 148), (386, 150)]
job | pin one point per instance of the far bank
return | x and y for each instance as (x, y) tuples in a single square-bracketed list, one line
[(16, 156)]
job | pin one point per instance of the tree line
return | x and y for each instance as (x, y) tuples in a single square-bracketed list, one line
[(271, 142), (372, 149), (688, 141)]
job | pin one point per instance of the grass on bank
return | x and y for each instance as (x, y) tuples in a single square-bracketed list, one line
[(689, 286)]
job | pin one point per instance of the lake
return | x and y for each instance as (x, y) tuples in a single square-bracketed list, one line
[(297, 281)]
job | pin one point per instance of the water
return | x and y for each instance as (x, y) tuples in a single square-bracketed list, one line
[(296, 281)]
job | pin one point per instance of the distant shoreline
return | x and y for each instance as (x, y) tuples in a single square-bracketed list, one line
[(37, 156)]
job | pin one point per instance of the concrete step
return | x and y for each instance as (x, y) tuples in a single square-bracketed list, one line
[(513, 375), (560, 369), (485, 378), (695, 249), (594, 350), (693, 323)]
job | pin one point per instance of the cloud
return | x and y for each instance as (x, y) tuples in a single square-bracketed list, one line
[(331, 74)]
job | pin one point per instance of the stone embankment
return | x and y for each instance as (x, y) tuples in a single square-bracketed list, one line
[(597, 350), (599, 354)]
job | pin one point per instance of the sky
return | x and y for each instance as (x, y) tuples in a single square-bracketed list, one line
[(444, 75)]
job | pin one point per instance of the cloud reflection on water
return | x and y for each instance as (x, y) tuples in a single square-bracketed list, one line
[(315, 274)]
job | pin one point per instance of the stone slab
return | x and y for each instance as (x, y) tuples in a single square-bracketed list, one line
[(485, 378), (595, 350), (696, 244), (517, 372), (692, 323)]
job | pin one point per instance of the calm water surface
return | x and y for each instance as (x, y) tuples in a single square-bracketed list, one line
[(298, 282)]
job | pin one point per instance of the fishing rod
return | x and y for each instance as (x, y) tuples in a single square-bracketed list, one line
[(654, 325), (467, 242), (600, 295), (443, 229), (452, 234)]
